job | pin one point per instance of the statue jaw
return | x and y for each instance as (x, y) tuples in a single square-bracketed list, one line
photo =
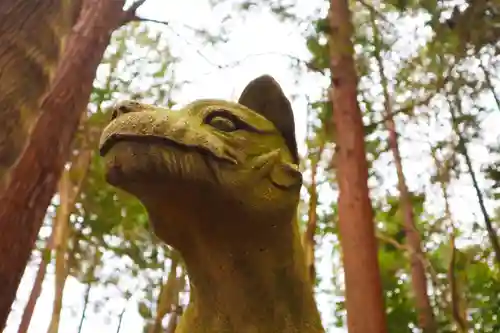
[(221, 184)]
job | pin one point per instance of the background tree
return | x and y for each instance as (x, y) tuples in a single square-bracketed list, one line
[(117, 271)]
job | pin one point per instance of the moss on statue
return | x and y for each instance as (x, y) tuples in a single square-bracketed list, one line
[(221, 184)]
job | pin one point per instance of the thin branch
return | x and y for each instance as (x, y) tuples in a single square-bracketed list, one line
[(438, 86), (167, 24), (144, 19), (392, 241), (375, 12), (427, 264)]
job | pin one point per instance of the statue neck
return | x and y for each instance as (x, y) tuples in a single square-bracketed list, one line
[(252, 284)]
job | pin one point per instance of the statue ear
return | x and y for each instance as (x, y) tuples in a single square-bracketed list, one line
[(286, 176), (282, 174), (265, 96)]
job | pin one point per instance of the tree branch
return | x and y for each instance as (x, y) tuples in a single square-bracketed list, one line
[(143, 19), (130, 15)]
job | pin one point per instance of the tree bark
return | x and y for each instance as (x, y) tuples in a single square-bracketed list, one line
[(425, 314), (32, 36), (168, 296), (62, 231), (27, 186), (417, 270), (308, 241), (457, 303), (82, 164), (462, 148), (364, 298), (37, 288)]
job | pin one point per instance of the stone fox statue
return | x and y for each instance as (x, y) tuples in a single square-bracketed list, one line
[(220, 182)]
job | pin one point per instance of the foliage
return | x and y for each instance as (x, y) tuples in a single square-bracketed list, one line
[(445, 87)]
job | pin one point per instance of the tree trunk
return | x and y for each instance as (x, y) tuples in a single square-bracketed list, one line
[(489, 84), (308, 241), (457, 303), (172, 321), (417, 270), (85, 306), (82, 163), (62, 231), (37, 287), (68, 193), (168, 296), (364, 298), (425, 314), (30, 48), (462, 148), (58, 96)]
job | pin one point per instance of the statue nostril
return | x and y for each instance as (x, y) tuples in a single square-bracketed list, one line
[(123, 108), (114, 114)]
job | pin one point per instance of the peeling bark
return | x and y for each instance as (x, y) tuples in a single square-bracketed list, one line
[(363, 295)]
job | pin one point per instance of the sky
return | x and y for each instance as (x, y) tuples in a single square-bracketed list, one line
[(256, 46)]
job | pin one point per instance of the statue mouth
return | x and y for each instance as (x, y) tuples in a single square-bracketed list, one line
[(108, 143)]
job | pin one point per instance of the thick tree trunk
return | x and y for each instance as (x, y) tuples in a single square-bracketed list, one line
[(364, 298), (32, 36), (28, 185), (425, 314)]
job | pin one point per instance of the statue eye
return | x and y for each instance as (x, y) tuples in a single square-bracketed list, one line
[(222, 124)]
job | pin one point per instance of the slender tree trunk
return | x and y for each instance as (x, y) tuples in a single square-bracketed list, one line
[(490, 85), (120, 319), (363, 296), (37, 287), (425, 314), (62, 231), (85, 305), (458, 308), (308, 241), (61, 95), (173, 321), (417, 270), (68, 194), (495, 244), (168, 297), (456, 300)]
